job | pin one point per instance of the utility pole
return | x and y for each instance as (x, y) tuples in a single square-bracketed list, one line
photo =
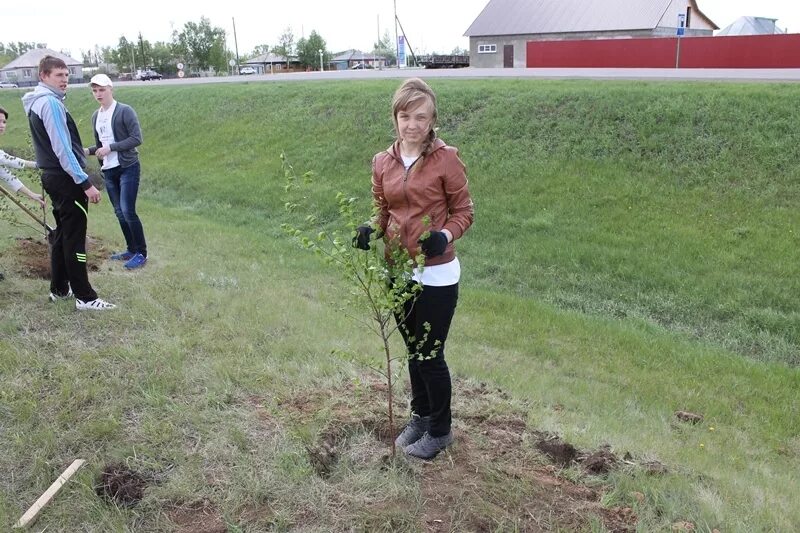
[(236, 44), (141, 49), (396, 37)]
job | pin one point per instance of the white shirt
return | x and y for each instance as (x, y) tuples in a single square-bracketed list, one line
[(436, 275), (106, 134)]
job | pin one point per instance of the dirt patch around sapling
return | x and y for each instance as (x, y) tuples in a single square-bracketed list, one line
[(31, 256), (500, 474)]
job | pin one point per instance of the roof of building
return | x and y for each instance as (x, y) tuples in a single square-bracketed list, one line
[(752, 26), (268, 58), (31, 58), (523, 17), (355, 55)]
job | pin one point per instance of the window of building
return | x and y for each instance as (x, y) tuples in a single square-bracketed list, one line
[(688, 16), (487, 48), (26, 73)]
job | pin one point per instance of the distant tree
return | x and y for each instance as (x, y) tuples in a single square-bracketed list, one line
[(201, 45), (260, 49), (285, 48), (11, 51), (308, 50), (105, 54), (124, 55), (385, 47), (458, 51), (88, 58), (300, 47), (163, 58)]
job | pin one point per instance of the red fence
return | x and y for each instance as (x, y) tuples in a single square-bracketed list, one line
[(750, 51)]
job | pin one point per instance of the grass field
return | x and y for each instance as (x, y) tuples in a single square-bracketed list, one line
[(635, 253)]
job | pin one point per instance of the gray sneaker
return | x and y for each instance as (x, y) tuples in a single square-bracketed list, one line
[(413, 431), (429, 447)]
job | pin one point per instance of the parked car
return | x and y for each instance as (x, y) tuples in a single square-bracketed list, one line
[(7, 85), (247, 70), (146, 75), (360, 66)]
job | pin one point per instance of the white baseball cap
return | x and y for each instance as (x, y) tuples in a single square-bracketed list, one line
[(102, 80)]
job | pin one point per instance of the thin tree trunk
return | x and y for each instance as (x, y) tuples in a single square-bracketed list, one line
[(389, 388)]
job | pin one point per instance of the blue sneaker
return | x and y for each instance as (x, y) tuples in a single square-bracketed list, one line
[(122, 256), (137, 261)]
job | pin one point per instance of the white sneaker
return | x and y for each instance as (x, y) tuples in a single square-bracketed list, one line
[(56, 297), (93, 305)]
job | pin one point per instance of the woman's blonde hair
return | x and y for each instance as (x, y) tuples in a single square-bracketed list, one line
[(409, 95)]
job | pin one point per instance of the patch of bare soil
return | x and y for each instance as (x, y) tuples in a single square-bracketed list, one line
[(197, 517), (119, 484), (32, 257), (686, 416), (499, 474), (497, 480)]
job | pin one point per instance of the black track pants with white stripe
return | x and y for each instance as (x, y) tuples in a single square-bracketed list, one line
[(68, 242)]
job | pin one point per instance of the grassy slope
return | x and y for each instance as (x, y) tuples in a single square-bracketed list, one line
[(675, 206), (665, 211)]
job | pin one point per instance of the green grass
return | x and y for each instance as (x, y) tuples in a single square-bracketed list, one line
[(635, 252)]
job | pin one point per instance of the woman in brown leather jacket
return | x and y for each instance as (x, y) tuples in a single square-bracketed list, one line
[(420, 187)]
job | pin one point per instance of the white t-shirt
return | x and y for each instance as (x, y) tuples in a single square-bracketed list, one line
[(106, 134), (436, 275)]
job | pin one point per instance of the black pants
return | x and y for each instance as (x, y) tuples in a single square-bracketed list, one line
[(424, 328), (68, 242)]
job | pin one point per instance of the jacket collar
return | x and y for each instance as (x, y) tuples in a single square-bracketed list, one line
[(61, 95), (394, 149)]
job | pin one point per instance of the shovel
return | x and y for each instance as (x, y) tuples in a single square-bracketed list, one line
[(30, 213)]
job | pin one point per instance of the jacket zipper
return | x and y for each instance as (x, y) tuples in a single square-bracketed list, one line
[(407, 171)]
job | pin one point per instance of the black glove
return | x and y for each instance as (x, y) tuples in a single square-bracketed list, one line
[(361, 239), (435, 244)]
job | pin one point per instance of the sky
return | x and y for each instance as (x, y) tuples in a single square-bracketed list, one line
[(430, 25)]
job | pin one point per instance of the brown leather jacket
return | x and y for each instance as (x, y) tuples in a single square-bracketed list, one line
[(435, 186)]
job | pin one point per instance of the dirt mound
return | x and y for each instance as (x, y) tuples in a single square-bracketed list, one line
[(121, 485), (32, 257), (602, 461), (560, 452)]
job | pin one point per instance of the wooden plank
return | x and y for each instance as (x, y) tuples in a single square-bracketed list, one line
[(32, 514)]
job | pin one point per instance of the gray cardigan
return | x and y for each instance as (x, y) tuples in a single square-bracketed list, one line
[(128, 134)]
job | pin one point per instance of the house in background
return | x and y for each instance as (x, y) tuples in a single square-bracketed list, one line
[(270, 63), (356, 59), (24, 70), (752, 26), (498, 36)]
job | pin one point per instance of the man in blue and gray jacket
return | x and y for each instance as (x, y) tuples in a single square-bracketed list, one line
[(59, 154)]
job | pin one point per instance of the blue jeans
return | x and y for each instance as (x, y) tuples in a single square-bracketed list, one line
[(122, 185)]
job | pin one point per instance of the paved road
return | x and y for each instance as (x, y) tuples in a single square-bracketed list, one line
[(653, 74)]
